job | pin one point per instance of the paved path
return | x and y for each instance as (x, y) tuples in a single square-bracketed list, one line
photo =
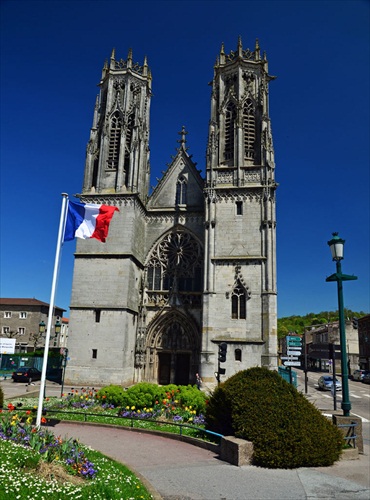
[(181, 471)]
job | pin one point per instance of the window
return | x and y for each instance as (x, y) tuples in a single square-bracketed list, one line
[(249, 127), (21, 331), (129, 130), (230, 117), (22, 315), (238, 302), (239, 208), (181, 191), (7, 314), (114, 140), (97, 315), (238, 355), (6, 329), (176, 263), (94, 353)]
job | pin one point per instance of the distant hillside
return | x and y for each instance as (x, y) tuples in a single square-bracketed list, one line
[(298, 323)]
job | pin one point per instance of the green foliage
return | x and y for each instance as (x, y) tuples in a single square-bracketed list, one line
[(1, 397), (112, 394), (298, 323), (147, 395), (287, 431)]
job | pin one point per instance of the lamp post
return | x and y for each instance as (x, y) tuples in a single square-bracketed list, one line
[(336, 245)]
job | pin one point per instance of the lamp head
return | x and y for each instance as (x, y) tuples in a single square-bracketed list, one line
[(41, 327), (336, 245), (57, 328)]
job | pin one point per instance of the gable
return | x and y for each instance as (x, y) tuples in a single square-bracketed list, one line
[(180, 187)]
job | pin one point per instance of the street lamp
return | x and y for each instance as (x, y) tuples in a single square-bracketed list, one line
[(336, 245), (42, 328), (57, 329)]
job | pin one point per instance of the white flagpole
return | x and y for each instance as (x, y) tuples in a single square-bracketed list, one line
[(51, 306)]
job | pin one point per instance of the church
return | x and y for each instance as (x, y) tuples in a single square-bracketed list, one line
[(189, 268)]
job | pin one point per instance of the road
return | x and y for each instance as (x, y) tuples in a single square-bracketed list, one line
[(359, 395)]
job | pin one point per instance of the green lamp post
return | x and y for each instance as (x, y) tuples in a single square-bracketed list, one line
[(336, 245)]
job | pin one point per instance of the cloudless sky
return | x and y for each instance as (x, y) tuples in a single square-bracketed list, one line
[(52, 54)]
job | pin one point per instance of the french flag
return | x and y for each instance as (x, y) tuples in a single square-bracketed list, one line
[(88, 220)]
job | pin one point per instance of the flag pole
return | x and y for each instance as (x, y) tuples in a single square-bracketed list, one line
[(51, 306)]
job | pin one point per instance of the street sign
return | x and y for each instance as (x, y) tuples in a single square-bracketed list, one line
[(294, 341), (292, 363), (290, 358), (296, 347), (293, 353)]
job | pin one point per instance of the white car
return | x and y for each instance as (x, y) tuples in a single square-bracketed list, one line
[(326, 381)]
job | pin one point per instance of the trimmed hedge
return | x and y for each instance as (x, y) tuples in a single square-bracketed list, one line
[(287, 431), (147, 395)]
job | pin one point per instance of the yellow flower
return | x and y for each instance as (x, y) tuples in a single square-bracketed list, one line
[(190, 407), (127, 407), (132, 407), (176, 401), (29, 420), (186, 408)]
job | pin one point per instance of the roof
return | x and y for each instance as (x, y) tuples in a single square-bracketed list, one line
[(25, 302)]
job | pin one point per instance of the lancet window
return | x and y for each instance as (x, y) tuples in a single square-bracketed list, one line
[(249, 126), (238, 302), (230, 117), (181, 191), (176, 264), (129, 130), (114, 140)]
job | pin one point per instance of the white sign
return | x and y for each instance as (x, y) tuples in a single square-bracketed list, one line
[(292, 363), (293, 353), (295, 347), (7, 346), (290, 358)]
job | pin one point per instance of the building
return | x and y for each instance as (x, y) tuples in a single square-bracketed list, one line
[(21, 318), (318, 339), (364, 341), (192, 264)]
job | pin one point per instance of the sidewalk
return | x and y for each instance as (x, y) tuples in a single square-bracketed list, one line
[(176, 470)]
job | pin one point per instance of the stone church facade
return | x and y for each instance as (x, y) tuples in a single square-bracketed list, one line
[(191, 265)]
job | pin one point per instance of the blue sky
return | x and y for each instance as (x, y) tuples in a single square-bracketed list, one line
[(52, 53)]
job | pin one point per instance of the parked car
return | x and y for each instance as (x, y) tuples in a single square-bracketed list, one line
[(26, 374), (326, 381), (359, 374), (366, 378)]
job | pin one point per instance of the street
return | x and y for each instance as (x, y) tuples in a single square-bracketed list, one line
[(359, 394)]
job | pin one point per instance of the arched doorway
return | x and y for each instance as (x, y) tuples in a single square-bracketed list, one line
[(173, 344)]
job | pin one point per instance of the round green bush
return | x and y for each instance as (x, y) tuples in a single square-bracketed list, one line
[(287, 431)]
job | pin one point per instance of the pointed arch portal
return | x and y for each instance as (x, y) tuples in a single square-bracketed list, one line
[(173, 345)]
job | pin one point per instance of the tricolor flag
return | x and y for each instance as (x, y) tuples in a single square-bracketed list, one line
[(88, 220)]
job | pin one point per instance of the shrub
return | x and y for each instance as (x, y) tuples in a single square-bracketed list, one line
[(112, 394), (287, 431), (147, 395), (1, 397)]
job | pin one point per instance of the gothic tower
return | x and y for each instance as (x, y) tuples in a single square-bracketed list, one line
[(118, 152), (239, 305), (107, 280)]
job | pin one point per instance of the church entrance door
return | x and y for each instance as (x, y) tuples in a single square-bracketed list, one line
[(182, 369), (173, 368), (164, 368)]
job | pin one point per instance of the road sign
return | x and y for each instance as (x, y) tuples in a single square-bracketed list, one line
[(290, 358), (293, 353), (292, 363), (294, 340)]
